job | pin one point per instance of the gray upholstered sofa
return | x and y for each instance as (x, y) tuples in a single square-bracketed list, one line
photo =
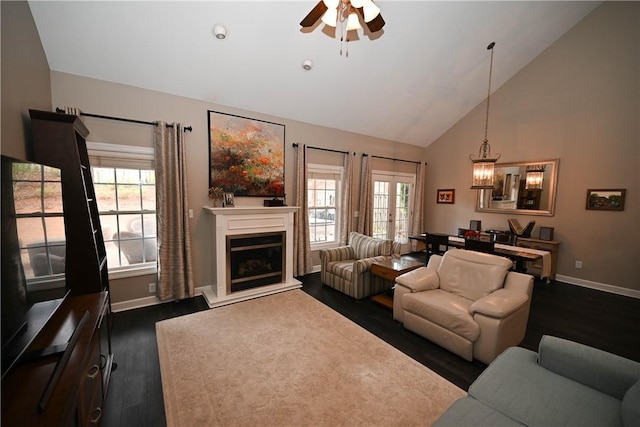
[(348, 268), (564, 384)]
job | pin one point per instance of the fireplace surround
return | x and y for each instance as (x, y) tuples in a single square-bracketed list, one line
[(251, 253)]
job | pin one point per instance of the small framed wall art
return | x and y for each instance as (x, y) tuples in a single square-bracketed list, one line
[(546, 233), (606, 200), (447, 196)]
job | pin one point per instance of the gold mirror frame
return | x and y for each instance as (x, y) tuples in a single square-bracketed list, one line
[(510, 195)]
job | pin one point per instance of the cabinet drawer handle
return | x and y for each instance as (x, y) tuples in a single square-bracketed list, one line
[(97, 414), (93, 371)]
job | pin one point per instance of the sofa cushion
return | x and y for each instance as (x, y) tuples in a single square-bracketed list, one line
[(342, 269), (473, 413), (631, 406), (517, 386), (595, 368), (472, 275), (444, 309), (367, 247)]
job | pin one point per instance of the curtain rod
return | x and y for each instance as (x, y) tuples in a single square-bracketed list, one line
[(120, 119), (295, 144), (391, 158)]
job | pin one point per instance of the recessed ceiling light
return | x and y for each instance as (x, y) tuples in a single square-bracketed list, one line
[(219, 31)]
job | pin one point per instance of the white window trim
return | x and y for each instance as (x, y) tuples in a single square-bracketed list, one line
[(320, 168), (132, 152)]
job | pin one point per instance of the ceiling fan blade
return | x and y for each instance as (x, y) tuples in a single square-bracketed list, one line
[(375, 24), (315, 14)]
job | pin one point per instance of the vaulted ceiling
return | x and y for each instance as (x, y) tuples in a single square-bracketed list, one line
[(410, 82)]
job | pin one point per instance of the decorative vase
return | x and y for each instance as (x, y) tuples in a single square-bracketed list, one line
[(216, 203)]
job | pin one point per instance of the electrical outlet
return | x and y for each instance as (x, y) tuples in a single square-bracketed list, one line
[(578, 264), (190, 213), (152, 288)]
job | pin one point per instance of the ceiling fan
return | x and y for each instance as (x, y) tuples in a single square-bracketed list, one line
[(333, 11)]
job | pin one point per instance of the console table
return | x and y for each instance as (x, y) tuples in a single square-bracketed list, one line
[(541, 256)]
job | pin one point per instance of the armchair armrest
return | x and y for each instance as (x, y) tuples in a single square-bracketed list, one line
[(341, 253), (595, 368), (364, 264), (420, 279), (499, 304)]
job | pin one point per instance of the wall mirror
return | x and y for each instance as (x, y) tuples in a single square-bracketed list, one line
[(524, 188)]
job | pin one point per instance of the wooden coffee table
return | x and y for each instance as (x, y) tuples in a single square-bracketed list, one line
[(389, 268)]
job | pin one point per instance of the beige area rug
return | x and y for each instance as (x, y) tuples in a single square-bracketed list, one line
[(288, 360)]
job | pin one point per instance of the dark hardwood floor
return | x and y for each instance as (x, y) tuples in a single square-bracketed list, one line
[(607, 321)]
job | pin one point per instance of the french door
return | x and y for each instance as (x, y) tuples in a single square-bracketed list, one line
[(393, 196)]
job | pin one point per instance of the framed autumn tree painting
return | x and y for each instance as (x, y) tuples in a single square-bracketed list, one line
[(246, 156)]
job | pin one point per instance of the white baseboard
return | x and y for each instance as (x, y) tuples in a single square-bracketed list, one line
[(152, 300), (633, 293), (144, 302)]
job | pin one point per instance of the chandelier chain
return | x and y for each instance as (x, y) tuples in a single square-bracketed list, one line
[(486, 122)]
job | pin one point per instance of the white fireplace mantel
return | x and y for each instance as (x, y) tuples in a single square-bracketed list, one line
[(247, 220)]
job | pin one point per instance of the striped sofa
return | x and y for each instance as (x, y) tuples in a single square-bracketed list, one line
[(348, 268)]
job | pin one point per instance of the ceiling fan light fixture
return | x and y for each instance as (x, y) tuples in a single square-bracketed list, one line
[(353, 23), (371, 11), (331, 4), (330, 17)]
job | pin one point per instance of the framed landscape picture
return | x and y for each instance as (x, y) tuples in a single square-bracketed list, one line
[(246, 156), (606, 200), (446, 196)]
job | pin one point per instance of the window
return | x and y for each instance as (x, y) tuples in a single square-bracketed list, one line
[(124, 182), (393, 196), (323, 194), (37, 193)]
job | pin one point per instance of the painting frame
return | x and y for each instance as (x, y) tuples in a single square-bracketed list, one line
[(608, 199), (446, 196), (246, 155), (228, 200)]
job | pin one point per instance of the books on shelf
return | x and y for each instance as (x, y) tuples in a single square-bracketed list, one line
[(518, 230)]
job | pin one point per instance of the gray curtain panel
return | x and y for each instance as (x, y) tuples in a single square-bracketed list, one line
[(365, 222), (417, 225), (302, 262), (175, 272), (346, 209)]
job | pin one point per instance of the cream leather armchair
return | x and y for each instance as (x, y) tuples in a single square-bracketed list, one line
[(467, 302)]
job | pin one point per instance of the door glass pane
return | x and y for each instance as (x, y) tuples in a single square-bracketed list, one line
[(402, 212), (381, 209)]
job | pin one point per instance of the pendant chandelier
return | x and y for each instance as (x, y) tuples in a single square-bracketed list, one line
[(484, 163)]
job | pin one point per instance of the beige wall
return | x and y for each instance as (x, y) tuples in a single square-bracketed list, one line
[(25, 76), (101, 97), (579, 102)]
